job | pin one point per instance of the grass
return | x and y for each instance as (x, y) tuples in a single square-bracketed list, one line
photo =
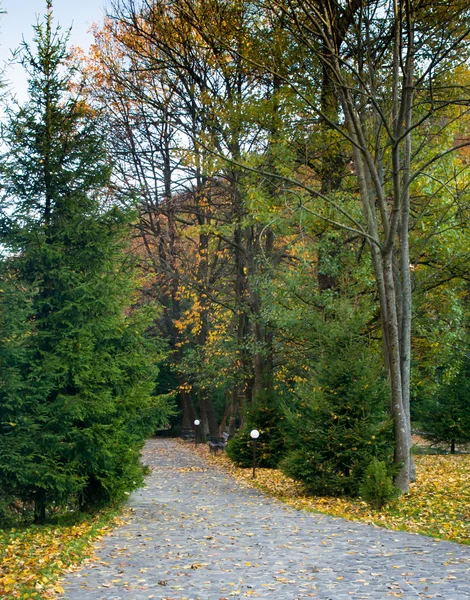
[(32, 558), (438, 504)]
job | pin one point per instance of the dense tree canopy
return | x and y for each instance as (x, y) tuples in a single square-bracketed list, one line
[(296, 174), (270, 144)]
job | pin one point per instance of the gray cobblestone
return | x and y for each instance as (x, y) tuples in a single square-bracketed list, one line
[(199, 535)]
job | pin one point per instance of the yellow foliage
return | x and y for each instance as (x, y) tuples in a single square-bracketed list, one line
[(33, 558), (438, 504)]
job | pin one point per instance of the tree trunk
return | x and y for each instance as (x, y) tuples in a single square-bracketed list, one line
[(234, 410), (189, 414), (209, 425), (400, 423), (241, 301), (203, 429), (225, 416), (40, 506)]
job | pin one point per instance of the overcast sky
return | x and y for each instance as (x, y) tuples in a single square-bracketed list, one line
[(20, 15)]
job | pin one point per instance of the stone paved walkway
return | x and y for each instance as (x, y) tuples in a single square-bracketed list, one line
[(198, 534)]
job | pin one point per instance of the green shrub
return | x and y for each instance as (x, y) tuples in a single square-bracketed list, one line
[(341, 421), (240, 449), (444, 417), (270, 446), (377, 486)]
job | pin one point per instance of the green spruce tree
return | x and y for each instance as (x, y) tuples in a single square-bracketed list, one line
[(340, 423), (80, 404), (15, 309), (265, 415), (444, 417)]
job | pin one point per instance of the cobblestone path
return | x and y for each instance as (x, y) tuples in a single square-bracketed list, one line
[(196, 533)]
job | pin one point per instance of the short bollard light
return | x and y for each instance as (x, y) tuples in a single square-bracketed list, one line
[(254, 436), (196, 423)]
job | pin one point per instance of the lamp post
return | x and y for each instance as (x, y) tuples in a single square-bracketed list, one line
[(254, 436), (196, 423)]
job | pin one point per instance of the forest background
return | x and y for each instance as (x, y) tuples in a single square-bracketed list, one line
[(290, 181), (301, 173)]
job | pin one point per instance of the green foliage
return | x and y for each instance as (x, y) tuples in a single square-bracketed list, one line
[(444, 417), (77, 370), (269, 420), (340, 423), (377, 486)]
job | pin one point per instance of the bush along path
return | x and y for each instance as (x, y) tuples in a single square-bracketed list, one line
[(197, 533), (437, 505)]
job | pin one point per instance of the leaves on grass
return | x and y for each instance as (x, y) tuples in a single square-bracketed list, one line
[(33, 558), (438, 504)]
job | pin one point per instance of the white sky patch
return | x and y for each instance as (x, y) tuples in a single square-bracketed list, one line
[(17, 24)]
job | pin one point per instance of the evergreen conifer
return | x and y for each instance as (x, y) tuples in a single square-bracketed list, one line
[(265, 415), (340, 423), (78, 372), (444, 417)]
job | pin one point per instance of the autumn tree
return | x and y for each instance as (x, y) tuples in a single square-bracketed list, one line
[(209, 90), (388, 64), (342, 116)]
